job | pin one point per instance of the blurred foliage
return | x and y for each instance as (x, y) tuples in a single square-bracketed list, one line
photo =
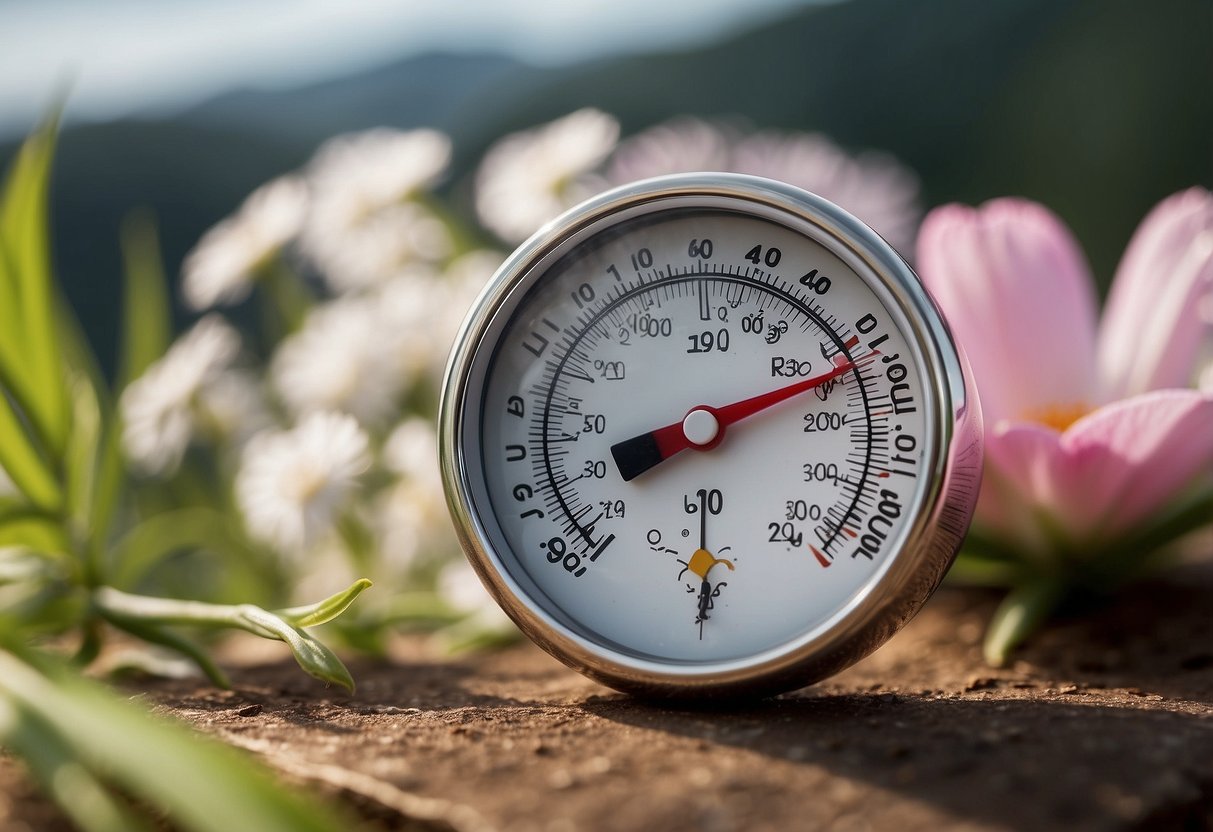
[(72, 531)]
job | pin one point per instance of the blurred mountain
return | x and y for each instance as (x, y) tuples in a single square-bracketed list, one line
[(428, 90), (1097, 107)]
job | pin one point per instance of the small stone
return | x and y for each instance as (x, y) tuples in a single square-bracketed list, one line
[(561, 778), (598, 765), (981, 683), (249, 710)]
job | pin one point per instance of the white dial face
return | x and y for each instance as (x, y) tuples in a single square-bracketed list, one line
[(701, 436)]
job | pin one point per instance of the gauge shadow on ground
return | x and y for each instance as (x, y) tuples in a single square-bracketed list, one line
[(1018, 757)]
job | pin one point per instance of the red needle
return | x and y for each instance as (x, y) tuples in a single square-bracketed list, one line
[(640, 453)]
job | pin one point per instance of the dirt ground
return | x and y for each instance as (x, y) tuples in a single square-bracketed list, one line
[(1105, 722)]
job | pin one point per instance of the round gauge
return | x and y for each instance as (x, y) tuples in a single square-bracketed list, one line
[(707, 435)]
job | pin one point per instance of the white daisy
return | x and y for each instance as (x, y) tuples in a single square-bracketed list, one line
[(222, 266), (422, 311), (364, 254), (530, 177), (412, 523), (365, 222), (339, 360), (411, 450), (680, 145), (412, 526), (382, 166), (292, 484), (460, 587), (231, 407), (873, 186), (465, 279), (158, 408)]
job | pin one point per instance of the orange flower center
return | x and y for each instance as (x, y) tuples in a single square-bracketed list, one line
[(1058, 416)]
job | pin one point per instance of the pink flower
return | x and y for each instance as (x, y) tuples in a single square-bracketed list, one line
[(1094, 433), (1092, 426)]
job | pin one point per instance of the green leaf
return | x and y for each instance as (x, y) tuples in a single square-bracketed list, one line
[(312, 656), (161, 535), (326, 610), (82, 448), (49, 758), (33, 529), (166, 638), (1020, 615), (146, 312), (201, 785), (19, 564), (20, 459), (31, 337)]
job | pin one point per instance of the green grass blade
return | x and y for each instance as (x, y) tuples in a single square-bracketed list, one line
[(164, 534), (48, 756), (326, 610), (166, 638), (82, 447), (146, 311), (34, 528), (20, 459), (202, 786), (24, 230)]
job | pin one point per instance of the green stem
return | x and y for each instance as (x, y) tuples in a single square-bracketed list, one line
[(145, 608), (1019, 615), (287, 298)]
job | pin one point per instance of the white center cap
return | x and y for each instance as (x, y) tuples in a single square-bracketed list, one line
[(700, 427)]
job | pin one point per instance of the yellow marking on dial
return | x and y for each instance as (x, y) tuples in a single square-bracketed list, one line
[(702, 561)]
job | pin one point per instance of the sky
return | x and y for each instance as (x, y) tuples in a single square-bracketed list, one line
[(138, 56)]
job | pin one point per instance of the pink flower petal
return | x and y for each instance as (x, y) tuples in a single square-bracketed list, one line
[(1112, 470), (1017, 292), (1157, 314)]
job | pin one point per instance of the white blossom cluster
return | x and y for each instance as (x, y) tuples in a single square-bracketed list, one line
[(528, 178), (328, 438)]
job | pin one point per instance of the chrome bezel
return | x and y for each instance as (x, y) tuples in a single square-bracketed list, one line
[(944, 502)]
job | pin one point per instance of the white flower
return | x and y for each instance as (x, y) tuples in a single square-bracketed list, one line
[(680, 145), (422, 312), (873, 186), (231, 407), (412, 523), (364, 254), (339, 360), (465, 278), (158, 408), (528, 178), (460, 587), (221, 268), (382, 166), (412, 451), (365, 225), (412, 526), (292, 484)]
